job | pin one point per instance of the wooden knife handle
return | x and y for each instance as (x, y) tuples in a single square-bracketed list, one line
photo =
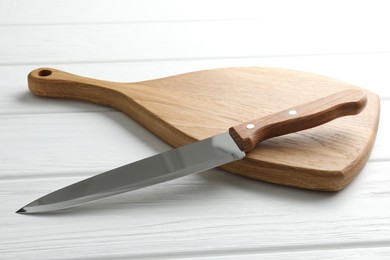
[(318, 112)]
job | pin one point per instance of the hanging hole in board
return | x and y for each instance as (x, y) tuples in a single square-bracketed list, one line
[(44, 73)]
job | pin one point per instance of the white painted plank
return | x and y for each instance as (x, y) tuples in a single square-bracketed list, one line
[(44, 12), (201, 40), (380, 151), (18, 12), (369, 71), (89, 143), (57, 144), (208, 214)]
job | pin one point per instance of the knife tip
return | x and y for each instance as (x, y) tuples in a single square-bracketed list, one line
[(21, 211)]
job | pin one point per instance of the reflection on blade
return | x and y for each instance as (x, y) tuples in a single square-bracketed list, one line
[(192, 158)]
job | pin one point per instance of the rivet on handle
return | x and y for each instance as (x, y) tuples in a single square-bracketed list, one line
[(250, 126), (292, 112)]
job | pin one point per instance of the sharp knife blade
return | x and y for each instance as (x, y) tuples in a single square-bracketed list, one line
[(192, 158), (202, 155)]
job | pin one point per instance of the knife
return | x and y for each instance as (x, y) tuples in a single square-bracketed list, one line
[(199, 156)]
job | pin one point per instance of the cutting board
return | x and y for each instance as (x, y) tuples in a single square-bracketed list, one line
[(193, 106)]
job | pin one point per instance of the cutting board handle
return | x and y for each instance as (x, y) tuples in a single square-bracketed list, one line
[(301, 117), (50, 82)]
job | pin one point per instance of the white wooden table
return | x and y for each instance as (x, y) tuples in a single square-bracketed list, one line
[(48, 143)]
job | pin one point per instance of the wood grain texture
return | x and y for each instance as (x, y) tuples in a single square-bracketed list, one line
[(194, 106)]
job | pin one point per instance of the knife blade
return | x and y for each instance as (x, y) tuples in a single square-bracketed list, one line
[(202, 155)]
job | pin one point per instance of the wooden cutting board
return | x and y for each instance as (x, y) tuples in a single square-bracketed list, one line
[(193, 106)]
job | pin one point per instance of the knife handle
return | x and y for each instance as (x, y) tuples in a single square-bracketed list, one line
[(301, 117)]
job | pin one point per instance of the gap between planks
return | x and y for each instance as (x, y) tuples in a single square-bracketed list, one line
[(191, 59)]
